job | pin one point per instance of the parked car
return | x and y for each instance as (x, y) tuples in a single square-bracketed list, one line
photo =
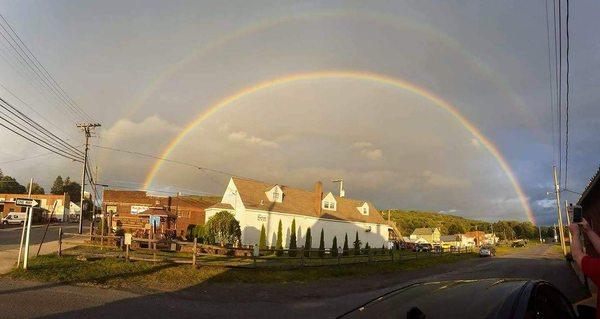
[(14, 218), (423, 248), (518, 243), (482, 298), (487, 251)]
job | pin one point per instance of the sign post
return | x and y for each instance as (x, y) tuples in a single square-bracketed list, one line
[(29, 203)]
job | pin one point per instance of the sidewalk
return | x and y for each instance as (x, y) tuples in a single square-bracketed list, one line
[(8, 258)]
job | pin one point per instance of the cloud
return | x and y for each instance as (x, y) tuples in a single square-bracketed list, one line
[(546, 203), (443, 181), (368, 150), (242, 136)]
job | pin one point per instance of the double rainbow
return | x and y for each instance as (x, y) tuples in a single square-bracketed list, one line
[(355, 75)]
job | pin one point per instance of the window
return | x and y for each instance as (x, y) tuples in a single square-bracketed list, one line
[(365, 211), (329, 205), (23, 209), (275, 195)]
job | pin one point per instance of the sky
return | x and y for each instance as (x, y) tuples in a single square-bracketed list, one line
[(146, 69)]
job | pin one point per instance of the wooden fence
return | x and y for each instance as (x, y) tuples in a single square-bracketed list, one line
[(193, 253)]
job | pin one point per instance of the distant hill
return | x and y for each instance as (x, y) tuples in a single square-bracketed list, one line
[(407, 221)]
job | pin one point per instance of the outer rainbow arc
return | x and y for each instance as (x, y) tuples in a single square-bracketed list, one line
[(366, 76)]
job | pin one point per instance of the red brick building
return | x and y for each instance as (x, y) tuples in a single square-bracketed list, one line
[(590, 202), (139, 212)]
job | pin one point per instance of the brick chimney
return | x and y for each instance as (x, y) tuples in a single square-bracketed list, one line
[(318, 197)]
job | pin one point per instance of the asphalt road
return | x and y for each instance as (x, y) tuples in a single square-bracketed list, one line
[(10, 236), (324, 299)]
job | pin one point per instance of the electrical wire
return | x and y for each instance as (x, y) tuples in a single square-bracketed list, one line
[(40, 145), (39, 69), (28, 121), (567, 105), (551, 91)]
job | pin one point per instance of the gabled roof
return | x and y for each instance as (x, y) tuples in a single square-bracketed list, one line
[(593, 183), (424, 231), (302, 202)]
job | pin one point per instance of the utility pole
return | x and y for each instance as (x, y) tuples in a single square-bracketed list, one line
[(561, 230), (86, 127), (569, 212)]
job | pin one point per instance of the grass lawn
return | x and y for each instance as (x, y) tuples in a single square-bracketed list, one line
[(148, 276)]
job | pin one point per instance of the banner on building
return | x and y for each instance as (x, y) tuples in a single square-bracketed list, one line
[(138, 209)]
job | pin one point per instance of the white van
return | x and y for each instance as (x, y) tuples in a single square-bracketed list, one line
[(14, 218)]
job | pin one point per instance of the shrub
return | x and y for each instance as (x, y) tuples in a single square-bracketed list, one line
[(322, 244), (346, 250), (357, 245), (262, 242), (293, 245), (279, 245), (307, 243), (334, 248)]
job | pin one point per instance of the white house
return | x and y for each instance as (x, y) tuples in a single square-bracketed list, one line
[(255, 204)]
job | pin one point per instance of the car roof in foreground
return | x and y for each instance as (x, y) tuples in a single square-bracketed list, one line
[(483, 298)]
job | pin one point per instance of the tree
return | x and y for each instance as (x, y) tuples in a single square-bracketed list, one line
[(307, 243), (262, 243), (367, 248), (36, 188), (201, 233), (322, 244), (58, 187), (10, 185), (334, 248), (357, 244), (293, 245), (224, 228), (346, 251), (279, 245), (454, 229), (73, 189)]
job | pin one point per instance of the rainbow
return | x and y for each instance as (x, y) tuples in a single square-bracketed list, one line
[(374, 18), (356, 75)]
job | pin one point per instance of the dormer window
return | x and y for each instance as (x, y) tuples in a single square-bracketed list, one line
[(364, 209), (275, 194), (329, 205)]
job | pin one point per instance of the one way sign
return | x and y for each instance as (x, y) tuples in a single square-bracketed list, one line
[(26, 202)]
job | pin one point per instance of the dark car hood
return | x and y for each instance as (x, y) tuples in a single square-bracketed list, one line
[(484, 298)]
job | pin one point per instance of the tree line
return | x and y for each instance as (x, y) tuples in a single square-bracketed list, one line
[(9, 185), (408, 221)]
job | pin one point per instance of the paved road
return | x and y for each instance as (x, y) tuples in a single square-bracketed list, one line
[(10, 237), (323, 299)]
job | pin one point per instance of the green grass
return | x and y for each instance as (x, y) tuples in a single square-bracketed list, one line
[(148, 276)]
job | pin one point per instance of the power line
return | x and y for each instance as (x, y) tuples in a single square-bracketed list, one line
[(166, 160), (559, 90), (33, 136), (40, 145), (39, 69), (551, 106), (567, 105), (28, 121), (34, 110), (26, 158)]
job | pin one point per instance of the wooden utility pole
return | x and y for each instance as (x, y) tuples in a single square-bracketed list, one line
[(86, 127), (561, 231)]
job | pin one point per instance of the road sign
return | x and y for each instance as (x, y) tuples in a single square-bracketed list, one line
[(26, 202)]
